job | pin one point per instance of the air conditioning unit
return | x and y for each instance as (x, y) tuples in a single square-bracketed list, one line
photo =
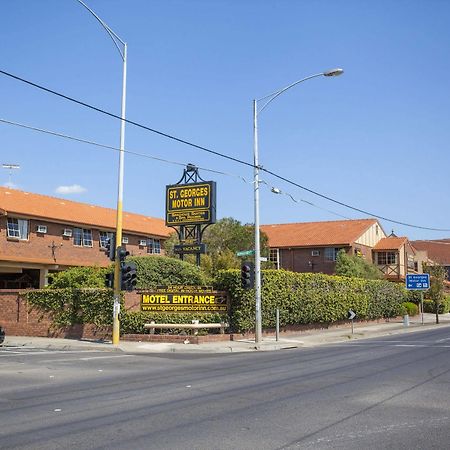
[(124, 240), (67, 232), (42, 229), (315, 253), (143, 242)]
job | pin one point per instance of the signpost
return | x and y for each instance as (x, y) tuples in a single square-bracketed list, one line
[(245, 253), (179, 249), (190, 209), (191, 204), (418, 282), (351, 315)]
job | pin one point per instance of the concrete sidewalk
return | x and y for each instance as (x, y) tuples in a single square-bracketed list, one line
[(310, 338)]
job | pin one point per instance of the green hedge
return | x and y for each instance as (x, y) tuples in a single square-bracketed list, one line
[(305, 298), (73, 306), (155, 271)]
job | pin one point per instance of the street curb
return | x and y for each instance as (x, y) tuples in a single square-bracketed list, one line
[(291, 342)]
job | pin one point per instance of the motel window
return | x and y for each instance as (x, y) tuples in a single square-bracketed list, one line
[(386, 258), (154, 246), (274, 257), (331, 253), (82, 237), (18, 228), (104, 236)]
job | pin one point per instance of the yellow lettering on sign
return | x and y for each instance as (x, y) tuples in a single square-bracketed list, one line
[(183, 203), (158, 299), (194, 192), (199, 201)]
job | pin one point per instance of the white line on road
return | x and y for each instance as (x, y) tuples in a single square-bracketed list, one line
[(44, 352), (109, 356)]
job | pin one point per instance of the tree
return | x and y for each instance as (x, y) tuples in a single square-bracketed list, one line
[(356, 266), (438, 275), (223, 239)]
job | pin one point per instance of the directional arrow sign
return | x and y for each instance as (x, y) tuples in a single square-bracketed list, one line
[(351, 314), (418, 281)]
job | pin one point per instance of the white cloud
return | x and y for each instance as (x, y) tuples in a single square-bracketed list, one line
[(11, 185), (73, 189)]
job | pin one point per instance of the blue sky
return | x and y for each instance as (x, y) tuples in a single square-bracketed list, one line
[(376, 138)]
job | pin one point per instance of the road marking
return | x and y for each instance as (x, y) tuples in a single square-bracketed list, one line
[(44, 352), (104, 357), (411, 345), (390, 344)]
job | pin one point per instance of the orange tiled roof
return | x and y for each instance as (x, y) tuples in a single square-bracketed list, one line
[(391, 243), (28, 204), (309, 234), (438, 250)]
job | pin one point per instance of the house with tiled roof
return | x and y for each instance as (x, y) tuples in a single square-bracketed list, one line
[(395, 257), (438, 251), (40, 234), (313, 246)]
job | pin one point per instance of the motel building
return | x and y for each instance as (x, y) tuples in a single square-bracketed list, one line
[(41, 234), (314, 246)]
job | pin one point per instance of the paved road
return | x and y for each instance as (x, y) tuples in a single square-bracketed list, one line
[(382, 393)]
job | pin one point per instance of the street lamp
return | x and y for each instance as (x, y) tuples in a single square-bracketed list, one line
[(256, 111), (123, 54)]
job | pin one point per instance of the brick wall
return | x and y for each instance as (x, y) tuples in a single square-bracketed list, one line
[(39, 245), (301, 259), (18, 319)]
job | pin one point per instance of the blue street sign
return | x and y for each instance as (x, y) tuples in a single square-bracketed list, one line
[(418, 281)]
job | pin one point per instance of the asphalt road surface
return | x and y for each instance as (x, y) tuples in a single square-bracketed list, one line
[(384, 393)]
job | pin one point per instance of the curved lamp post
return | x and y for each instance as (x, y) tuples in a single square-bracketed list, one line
[(256, 111), (123, 54)]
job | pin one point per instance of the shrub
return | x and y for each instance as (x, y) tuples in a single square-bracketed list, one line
[(78, 277), (414, 297), (410, 308), (429, 306), (356, 266), (155, 271)]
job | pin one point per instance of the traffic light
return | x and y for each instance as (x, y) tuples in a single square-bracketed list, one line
[(122, 253), (128, 276), (248, 275), (109, 280), (110, 247)]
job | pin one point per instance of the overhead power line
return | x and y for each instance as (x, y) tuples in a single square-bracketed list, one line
[(293, 183), (222, 155), (131, 122), (155, 158), (110, 147)]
